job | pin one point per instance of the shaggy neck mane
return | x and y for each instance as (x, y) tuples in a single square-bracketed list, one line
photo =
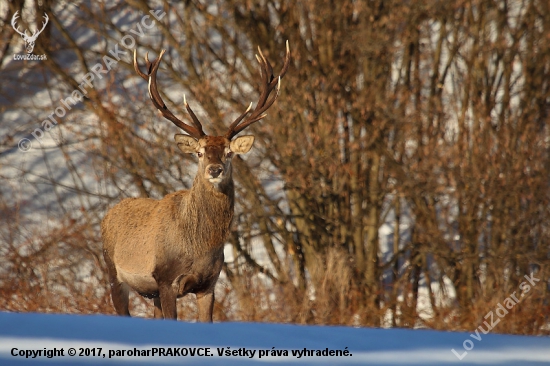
[(208, 213)]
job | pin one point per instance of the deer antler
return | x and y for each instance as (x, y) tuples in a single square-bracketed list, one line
[(151, 78), (13, 24), (269, 82), (37, 32)]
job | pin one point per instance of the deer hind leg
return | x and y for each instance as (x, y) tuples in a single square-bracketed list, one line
[(119, 291), (205, 303), (119, 295), (167, 298), (158, 308)]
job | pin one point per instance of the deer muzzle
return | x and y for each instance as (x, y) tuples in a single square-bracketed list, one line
[(214, 172)]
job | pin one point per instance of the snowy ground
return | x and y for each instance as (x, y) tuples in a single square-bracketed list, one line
[(104, 335)]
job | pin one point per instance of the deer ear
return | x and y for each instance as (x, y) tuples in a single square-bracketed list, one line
[(186, 143), (242, 144)]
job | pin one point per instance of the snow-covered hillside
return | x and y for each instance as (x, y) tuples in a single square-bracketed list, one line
[(248, 343)]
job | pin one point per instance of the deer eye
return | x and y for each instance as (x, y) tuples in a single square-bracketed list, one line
[(229, 154), (199, 154)]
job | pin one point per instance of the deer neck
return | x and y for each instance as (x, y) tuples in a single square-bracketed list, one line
[(207, 213), (213, 194)]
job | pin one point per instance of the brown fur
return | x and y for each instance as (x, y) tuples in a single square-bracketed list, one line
[(167, 248)]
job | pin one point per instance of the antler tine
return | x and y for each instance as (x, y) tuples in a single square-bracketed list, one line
[(239, 119), (44, 24), (194, 118), (269, 82), (151, 77), (267, 76), (14, 22), (136, 66), (37, 32), (259, 114)]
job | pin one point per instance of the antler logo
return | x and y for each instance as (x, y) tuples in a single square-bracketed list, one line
[(29, 40)]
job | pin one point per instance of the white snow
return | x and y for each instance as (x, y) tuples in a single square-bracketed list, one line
[(27, 332)]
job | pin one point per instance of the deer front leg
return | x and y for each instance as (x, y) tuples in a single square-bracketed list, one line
[(167, 297), (205, 303)]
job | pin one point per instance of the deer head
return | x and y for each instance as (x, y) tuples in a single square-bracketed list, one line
[(29, 40), (215, 152)]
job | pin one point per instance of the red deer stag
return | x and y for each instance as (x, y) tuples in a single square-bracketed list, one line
[(165, 249)]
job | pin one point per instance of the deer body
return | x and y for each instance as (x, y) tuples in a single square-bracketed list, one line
[(165, 249), (153, 244), (175, 242)]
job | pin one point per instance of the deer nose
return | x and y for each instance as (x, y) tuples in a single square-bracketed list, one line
[(215, 170)]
